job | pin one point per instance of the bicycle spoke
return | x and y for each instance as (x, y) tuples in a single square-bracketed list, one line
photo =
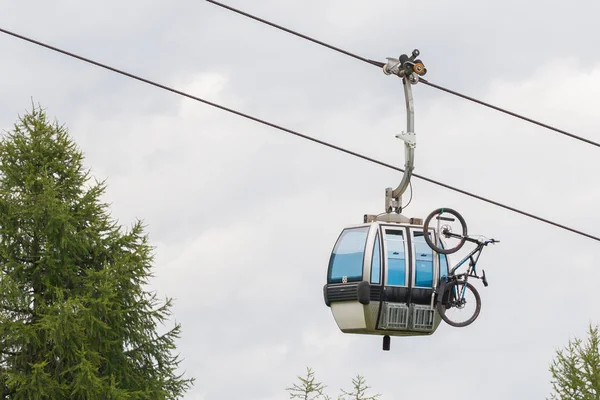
[(460, 311), (464, 305), (450, 230)]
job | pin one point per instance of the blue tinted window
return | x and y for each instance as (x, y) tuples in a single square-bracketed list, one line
[(376, 262), (423, 261), (396, 258), (347, 258), (443, 261), (443, 265)]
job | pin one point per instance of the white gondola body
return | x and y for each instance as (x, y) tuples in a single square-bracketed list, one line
[(382, 279)]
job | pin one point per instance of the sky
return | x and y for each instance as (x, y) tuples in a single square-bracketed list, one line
[(244, 217)]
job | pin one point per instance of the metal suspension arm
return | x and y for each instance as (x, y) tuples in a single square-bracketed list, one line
[(409, 70), (410, 141)]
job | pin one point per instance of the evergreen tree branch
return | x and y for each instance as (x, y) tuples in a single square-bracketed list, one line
[(72, 281)]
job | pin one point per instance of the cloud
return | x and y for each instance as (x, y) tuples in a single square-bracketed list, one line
[(244, 217)]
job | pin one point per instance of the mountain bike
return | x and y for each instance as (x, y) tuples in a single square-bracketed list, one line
[(454, 288)]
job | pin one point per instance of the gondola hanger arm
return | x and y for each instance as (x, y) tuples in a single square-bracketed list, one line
[(409, 69)]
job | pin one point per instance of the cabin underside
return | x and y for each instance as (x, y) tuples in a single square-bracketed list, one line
[(385, 318)]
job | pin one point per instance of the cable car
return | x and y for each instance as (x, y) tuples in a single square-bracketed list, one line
[(382, 275), (382, 278)]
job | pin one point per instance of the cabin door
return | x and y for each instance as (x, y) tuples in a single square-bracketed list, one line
[(396, 265)]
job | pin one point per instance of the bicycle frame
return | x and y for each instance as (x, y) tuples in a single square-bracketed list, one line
[(473, 256)]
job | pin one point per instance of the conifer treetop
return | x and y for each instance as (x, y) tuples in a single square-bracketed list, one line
[(75, 318)]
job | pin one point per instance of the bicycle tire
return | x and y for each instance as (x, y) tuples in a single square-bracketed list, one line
[(460, 219), (441, 306)]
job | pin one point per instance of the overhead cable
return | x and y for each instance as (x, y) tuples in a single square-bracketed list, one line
[(273, 125), (426, 82), (264, 21)]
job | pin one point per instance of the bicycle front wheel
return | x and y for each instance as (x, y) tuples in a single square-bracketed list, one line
[(443, 225), (460, 299)]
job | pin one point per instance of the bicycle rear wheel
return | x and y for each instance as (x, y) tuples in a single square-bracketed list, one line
[(443, 225), (457, 296)]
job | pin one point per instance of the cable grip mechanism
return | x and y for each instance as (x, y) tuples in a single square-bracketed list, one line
[(405, 66)]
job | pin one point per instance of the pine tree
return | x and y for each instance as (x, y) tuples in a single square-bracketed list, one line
[(308, 388), (359, 390), (75, 320), (576, 369)]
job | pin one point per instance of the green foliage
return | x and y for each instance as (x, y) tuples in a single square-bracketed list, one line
[(308, 388), (75, 320), (576, 369), (359, 389)]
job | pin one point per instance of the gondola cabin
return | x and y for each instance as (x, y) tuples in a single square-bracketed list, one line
[(382, 278)]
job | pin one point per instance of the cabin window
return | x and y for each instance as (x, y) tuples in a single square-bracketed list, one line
[(346, 263), (443, 266), (423, 261), (376, 262), (443, 262), (396, 258)]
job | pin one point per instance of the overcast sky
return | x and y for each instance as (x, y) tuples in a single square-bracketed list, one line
[(244, 217)]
